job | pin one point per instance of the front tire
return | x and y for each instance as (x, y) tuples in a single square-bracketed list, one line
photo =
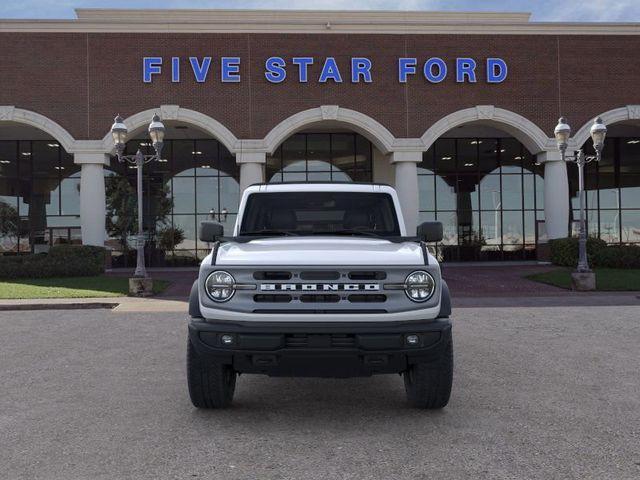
[(428, 384), (211, 385)]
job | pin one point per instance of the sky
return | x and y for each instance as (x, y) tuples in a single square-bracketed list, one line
[(542, 10)]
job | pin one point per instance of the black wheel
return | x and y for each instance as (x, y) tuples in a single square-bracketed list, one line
[(428, 385), (212, 384)]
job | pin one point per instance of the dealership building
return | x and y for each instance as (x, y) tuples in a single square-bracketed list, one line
[(456, 110)]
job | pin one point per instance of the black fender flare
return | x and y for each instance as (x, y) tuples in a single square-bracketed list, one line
[(445, 301), (194, 301)]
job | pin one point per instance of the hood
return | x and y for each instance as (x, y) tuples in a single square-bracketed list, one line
[(320, 251)]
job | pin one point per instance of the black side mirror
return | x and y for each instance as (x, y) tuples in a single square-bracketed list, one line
[(430, 231), (210, 231)]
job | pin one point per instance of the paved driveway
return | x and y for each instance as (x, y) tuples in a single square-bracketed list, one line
[(539, 393)]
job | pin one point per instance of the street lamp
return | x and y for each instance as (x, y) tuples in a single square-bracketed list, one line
[(119, 133), (562, 133)]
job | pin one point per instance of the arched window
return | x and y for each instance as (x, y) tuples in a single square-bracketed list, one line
[(200, 178), (321, 157), (487, 192), (39, 195)]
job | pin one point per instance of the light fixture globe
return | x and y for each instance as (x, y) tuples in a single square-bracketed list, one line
[(156, 131), (562, 133), (119, 133), (598, 133)]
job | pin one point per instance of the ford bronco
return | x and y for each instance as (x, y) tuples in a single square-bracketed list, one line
[(319, 280)]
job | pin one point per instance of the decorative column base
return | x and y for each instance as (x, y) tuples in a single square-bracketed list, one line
[(141, 287), (583, 281)]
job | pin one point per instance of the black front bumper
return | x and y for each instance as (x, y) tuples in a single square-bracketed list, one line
[(320, 349)]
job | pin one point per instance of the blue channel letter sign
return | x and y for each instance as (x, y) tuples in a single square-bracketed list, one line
[(325, 70)]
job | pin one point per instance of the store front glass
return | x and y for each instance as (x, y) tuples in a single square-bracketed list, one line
[(39, 196), (487, 192), (612, 192), (198, 179), (321, 157)]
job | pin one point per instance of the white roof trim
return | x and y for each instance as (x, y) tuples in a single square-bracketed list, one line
[(312, 21)]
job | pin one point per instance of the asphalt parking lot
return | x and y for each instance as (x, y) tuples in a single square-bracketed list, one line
[(538, 393)]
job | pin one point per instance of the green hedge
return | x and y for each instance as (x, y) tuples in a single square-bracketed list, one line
[(61, 261), (564, 252), (618, 256)]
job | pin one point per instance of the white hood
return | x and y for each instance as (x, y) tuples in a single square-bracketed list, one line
[(320, 251)]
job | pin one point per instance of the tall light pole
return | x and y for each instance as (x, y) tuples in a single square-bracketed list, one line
[(119, 133), (562, 133)]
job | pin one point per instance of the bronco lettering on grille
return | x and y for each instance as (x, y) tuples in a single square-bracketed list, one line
[(323, 287)]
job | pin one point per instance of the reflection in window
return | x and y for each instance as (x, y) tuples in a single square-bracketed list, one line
[(488, 192), (201, 178), (612, 191), (39, 196), (321, 157)]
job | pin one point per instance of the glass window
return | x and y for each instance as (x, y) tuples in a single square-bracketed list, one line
[(427, 164), (446, 156), (319, 152), (512, 228), (321, 157), (467, 154), (8, 159), (488, 155), (183, 190), (512, 192), (610, 225), (445, 195), (630, 222), (188, 225), (207, 195), (511, 155), (183, 155), (426, 187), (293, 154), (490, 198)]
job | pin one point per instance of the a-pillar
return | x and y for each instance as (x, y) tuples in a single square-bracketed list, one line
[(556, 194), (251, 168), (92, 196), (406, 184)]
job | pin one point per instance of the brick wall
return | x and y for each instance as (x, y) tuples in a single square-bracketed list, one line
[(82, 80)]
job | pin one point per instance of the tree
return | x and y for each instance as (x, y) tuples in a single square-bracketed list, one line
[(122, 209), (9, 221)]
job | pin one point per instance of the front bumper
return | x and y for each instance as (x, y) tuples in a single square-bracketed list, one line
[(303, 349)]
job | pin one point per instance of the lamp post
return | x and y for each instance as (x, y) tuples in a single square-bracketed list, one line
[(562, 133), (119, 133)]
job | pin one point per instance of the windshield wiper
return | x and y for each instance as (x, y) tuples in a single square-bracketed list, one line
[(266, 231)]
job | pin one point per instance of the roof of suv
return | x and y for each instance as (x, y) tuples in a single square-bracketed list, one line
[(320, 187)]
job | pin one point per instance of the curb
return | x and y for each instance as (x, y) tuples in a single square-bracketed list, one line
[(57, 306)]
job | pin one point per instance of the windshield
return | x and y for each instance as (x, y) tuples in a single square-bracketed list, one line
[(320, 213)]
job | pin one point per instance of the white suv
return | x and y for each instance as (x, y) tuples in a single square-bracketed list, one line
[(320, 280)]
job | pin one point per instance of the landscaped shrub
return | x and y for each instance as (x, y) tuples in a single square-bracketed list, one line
[(618, 256), (564, 251), (61, 261)]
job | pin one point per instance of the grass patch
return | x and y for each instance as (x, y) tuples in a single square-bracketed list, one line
[(607, 279), (70, 287)]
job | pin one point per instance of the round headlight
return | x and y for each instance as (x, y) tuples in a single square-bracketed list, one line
[(419, 286), (220, 286)]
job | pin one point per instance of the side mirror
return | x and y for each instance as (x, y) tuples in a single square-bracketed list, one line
[(430, 231), (210, 231)]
